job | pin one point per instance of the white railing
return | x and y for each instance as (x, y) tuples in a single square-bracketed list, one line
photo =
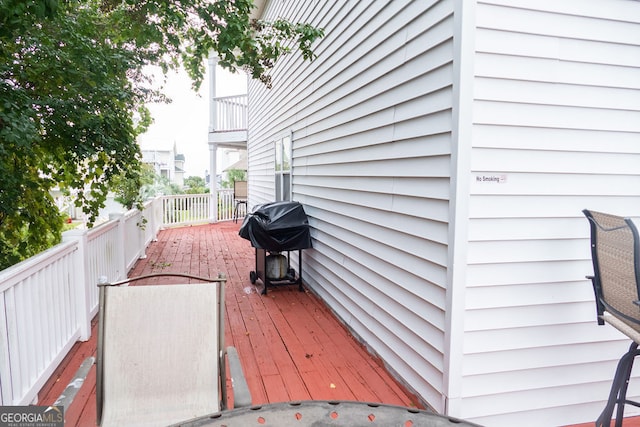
[(188, 209), (225, 205), (47, 302), (230, 113), (40, 321)]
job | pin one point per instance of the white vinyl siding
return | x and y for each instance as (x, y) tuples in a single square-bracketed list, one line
[(371, 122), (556, 117), (444, 161)]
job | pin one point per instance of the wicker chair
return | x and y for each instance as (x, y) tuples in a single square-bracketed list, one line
[(239, 197), (615, 251)]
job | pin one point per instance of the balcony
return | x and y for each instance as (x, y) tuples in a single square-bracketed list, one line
[(290, 344), (228, 121)]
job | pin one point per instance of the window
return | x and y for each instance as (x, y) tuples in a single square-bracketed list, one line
[(283, 168)]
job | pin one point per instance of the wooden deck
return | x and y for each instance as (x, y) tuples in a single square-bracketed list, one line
[(290, 344)]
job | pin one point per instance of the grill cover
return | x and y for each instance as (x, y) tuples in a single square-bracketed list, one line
[(278, 226)]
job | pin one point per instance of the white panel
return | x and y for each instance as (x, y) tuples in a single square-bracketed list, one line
[(493, 277), (518, 114), (552, 206), (528, 315), (541, 407), (555, 71), (617, 10), (530, 337), (541, 357), (488, 89), (377, 205), (429, 133), (407, 186), (557, 163), (555, 139), (549, 47), (526, 250), (561, 25), (537, 228), (515, 296)]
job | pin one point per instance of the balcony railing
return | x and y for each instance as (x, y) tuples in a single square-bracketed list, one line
[(47, 301), (229, 113)]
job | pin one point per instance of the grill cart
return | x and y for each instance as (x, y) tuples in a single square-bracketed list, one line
[(275, 230)]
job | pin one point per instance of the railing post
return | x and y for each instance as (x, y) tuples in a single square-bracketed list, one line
[(155, 223), (6, 392), (213, 183), (142, 237), (159, 213), (119, 251), (81, 280)]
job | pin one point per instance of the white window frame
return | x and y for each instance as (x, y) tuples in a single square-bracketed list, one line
[(283, 158)]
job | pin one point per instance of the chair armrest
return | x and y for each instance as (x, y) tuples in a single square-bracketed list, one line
[(241, 393)]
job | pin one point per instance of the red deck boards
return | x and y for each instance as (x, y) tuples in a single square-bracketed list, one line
[(290, 344)]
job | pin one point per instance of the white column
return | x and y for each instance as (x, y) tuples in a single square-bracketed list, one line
[(213, 147), (213, 62), (213, 187)]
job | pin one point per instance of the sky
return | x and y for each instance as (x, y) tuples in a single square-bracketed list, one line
[(185, 121)]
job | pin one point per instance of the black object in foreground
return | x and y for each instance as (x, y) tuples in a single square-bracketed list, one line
[(323, 413)]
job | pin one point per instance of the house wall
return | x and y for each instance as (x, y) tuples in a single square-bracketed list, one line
[(434, 183), (163, 162), (371, 122), (555, 129)]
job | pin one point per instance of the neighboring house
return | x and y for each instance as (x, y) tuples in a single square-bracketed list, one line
[(167, 163), (443, 151), (179, 169), (229, 160)]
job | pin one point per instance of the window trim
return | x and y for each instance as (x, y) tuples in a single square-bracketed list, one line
[(279, 163)]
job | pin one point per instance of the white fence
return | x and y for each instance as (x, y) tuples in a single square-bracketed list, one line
[(47, 301), (186, 209)]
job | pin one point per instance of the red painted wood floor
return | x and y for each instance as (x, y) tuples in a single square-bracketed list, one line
[(290, 344)]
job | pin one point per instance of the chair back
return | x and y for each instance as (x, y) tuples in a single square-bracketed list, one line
[(240, 190), (160, 353), (615, 248)]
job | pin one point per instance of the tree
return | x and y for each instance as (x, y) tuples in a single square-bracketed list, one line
[(130, 189), (72, 78), (234, 175), (195, 185)]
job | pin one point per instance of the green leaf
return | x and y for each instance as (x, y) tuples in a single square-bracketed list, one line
[(73, 91)]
